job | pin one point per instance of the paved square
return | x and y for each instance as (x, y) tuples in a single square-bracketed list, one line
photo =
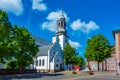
[(65, 75)]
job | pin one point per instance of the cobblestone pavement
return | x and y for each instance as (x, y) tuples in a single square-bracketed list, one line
[(65, 75)]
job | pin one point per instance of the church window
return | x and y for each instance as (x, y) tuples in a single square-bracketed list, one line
[(56, 65), (43, 62), (57, 60), (40, 62), (61, 23)]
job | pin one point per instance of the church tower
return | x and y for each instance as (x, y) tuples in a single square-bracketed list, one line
[(61, 32)]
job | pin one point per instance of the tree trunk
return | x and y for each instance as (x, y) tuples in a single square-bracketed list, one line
[(20, 67), (102, 65), (98, 66), (88, 65), (21, 63)]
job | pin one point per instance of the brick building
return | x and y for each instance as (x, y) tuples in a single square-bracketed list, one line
[(108, 64), (116, 34), (112, 63)]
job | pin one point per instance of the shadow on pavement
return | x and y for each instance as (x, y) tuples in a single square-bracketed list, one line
[(28, 76)]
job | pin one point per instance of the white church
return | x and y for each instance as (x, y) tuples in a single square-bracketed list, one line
[(50, 56)]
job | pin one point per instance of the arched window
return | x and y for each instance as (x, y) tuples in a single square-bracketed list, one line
[(40, 62), (62, 24), (57, 65), (59, 24), (43, 62)]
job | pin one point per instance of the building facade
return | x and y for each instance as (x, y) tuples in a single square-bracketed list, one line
[(50, 56), (116, 34), (108, 64)]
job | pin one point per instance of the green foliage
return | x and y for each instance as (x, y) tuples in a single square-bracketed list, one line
[(69, 54), (24, 46), (11, 64), (80, 61), (15, 43), (98, 48), (5, 37)]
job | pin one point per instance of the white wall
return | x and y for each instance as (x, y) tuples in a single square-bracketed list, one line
[(62, 40), (45, 66)]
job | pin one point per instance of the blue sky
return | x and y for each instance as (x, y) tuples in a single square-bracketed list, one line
[(85, 18)]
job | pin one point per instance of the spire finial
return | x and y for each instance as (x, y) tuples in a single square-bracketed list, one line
[(61, 14)]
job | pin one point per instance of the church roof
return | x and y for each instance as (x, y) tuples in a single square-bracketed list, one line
[(41, 42), (44, 50), (44, 46)]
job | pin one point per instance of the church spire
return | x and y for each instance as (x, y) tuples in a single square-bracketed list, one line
[(61, 24), (61, 14), (61, 32)]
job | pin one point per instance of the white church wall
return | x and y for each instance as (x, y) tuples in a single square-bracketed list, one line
[(52, 65), (51, 55), (43, 63), (54, 39), (62, 40)]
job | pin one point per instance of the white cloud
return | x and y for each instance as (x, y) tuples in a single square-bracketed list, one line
[(39, 5), (13, 6), (74, 44), (83, 26), (52, 17)]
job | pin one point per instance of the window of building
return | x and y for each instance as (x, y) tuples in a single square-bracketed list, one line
[(56, 65), (62, 24), (57, 60), (59, 24), (43, 62), (40, 62)]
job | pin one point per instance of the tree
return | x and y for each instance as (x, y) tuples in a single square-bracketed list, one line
[(25, 48), (11, 64), (69, 54), (98, 49), (80, 61), (17, 47), (5, 37)]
